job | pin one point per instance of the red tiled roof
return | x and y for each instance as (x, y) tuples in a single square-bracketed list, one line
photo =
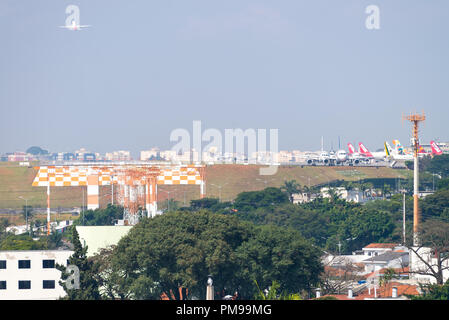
[(381, 246), (382, 292), (386, 291)]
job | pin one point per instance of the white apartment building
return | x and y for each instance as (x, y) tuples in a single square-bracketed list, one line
[(148, 154), (31, 274), (354, 195), (118, 156)]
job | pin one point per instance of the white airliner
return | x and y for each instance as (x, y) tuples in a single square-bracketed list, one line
[(356, 157), (396, 154), (373, 155), (74, 26)]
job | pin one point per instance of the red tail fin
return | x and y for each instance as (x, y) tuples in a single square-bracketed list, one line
[(435, 149), (351, 148), (364, 150)]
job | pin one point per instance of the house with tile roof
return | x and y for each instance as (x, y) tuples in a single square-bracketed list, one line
[(388, 259)]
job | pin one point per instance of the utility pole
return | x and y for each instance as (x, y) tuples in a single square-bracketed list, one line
[(26, 212), (112, 190), (415, 119), (403, 217)]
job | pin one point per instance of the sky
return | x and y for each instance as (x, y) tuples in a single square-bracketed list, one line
[(310, 69)]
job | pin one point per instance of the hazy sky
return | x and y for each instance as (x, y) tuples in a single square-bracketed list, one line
[(145, 68)]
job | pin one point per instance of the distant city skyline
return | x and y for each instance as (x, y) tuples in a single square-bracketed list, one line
[(143, 69)]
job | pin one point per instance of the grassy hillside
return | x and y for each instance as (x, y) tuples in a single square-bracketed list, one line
[(15, 181)]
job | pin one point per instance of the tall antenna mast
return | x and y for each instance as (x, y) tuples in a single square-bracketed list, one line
[(415, 119)]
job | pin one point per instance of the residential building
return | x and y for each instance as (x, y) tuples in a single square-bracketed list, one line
[(120, 155), (151, 154), (31, 275), (353, 195), (100, 237)]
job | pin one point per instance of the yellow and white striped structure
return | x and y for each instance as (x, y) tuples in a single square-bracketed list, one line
[(135, 181)]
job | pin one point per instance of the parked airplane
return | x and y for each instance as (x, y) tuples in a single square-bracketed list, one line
[(355, 156), (323, 157), (374, 155), (435, 148), (399, 148), (74, 26), (393, 153)]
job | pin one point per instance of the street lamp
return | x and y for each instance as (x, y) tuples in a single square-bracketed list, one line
[(168, 199), (209, 288), (219, 186), (26, 212)]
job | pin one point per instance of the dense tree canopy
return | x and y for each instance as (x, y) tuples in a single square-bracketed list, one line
[(247, 201), (101, 217), (180, 249)]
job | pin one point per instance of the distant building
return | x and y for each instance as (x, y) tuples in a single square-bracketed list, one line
[(20, 156), (31, 274), (100, 237), (353, 195), (118, 156)]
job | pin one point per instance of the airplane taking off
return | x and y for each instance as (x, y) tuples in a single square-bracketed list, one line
[(74, 26)]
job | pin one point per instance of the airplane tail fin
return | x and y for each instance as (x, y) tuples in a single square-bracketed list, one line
[(387, 151), (364, 150), (435, 148), (389, 148), (351, 148), (421, 149), (399, 147)]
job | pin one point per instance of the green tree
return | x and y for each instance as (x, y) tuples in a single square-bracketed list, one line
[(101, 217), (291, 187), (433, 292), (22, 242), (88, 273), (179, 250), (247, 201), (35, 150), (435, 206), (281, 255), (440, 164), (443, 184)]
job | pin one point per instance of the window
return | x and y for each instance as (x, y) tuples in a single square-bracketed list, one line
[(48, 264), (24, 284), (24, 264), (3, 285), (2, 264), (48, 284)]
